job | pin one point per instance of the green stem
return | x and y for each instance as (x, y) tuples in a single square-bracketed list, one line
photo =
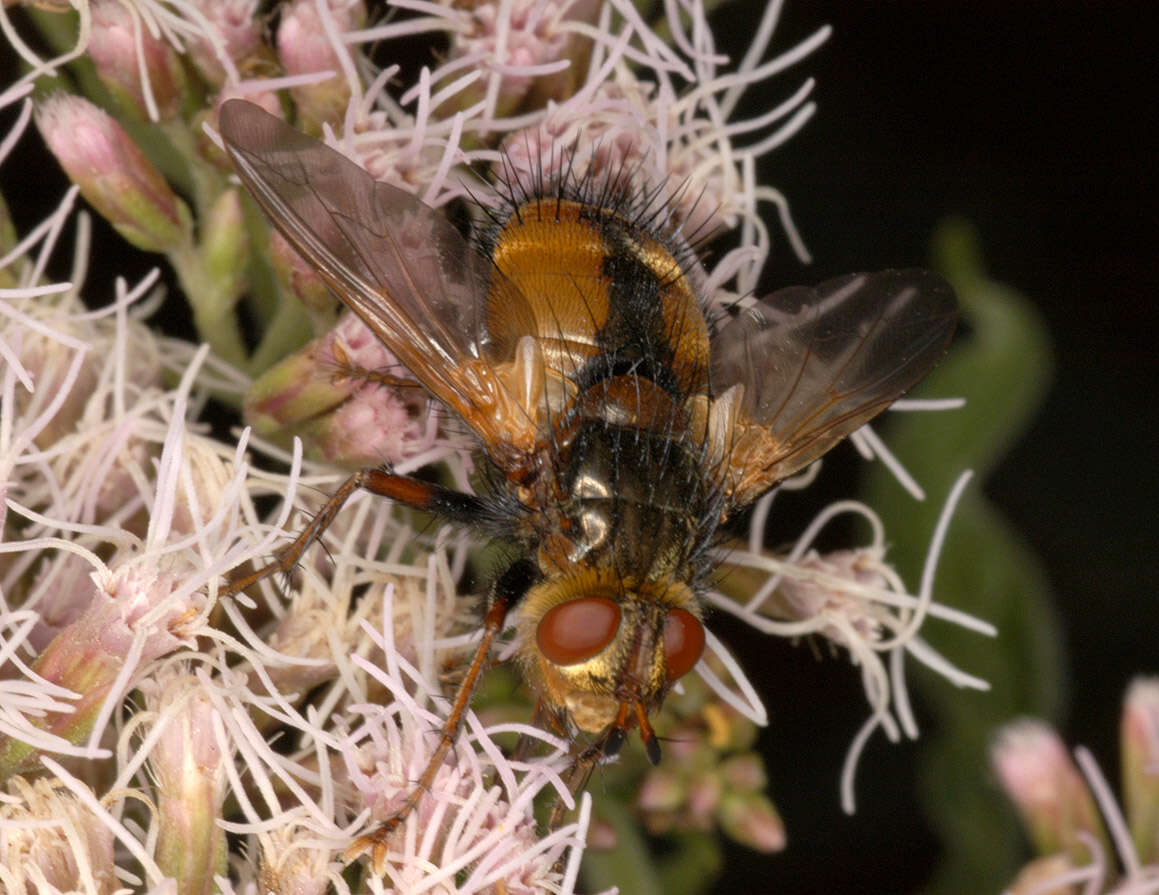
[(213, 314), (287, 331)]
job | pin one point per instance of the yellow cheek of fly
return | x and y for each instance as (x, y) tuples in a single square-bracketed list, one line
[(588, 709)]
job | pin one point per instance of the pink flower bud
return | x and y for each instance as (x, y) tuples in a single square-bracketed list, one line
[(1046, 787), (87, 656), (134, 64), (744, 773), (704, 800), (662, 791), (752, 820), (328, 393), (225, 244), (296, 390), (1139, 733), (206, 147), (300, 280), (113, 173), (188, 767), (235, 31), (305, 47)]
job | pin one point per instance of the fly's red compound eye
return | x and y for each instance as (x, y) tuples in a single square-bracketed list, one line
[(683, 642), (577, 630)]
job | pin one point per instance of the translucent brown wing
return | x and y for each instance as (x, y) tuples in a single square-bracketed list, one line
[(397, 263), (817, 363)]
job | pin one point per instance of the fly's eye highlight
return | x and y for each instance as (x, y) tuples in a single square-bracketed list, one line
[(574, 631), (683, 642)]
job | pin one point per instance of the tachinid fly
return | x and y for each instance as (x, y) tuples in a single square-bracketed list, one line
[(619, 422)]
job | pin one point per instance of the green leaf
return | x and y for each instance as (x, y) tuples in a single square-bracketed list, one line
[(1001, 364)]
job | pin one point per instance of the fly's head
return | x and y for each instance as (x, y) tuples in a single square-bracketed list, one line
[(603, 651)]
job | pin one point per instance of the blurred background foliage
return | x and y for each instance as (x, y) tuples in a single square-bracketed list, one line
[(1026, 124)]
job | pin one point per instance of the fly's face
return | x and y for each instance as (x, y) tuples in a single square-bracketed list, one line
[(603, 651)]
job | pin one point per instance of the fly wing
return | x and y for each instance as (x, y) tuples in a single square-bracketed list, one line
[(397, 263), (816, 363)]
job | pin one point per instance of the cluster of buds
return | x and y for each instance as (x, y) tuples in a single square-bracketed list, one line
[(1069, 812), (711, 778), (138, 712)]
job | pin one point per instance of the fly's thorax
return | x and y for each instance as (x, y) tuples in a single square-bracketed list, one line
[(593, 643), (631, 499), (588, 282)]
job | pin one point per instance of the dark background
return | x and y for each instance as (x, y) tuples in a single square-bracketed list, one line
[(1033, 120), (1028, 119)]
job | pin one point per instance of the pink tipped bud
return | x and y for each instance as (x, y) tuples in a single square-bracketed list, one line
[(133, 64), (187, 765), (113, 174), (235, 32), (602, 836), (662, 791), (206, 147), (752, 820), (1140, 755), (332, 394), (705, 793), (1046, 787), (744, 773), (306, 47), (300, 280), (296, 390)]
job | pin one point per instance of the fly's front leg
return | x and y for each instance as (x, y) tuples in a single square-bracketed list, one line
[(508, 590), (453, 505), (576, 778)]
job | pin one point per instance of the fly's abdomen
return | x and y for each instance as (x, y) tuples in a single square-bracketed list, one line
[(588, 284)]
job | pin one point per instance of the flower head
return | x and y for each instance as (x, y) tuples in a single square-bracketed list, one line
[(50, 840)]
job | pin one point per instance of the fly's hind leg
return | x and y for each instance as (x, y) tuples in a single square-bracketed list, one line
[(508, 590), (582, 766), (452, 505)]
